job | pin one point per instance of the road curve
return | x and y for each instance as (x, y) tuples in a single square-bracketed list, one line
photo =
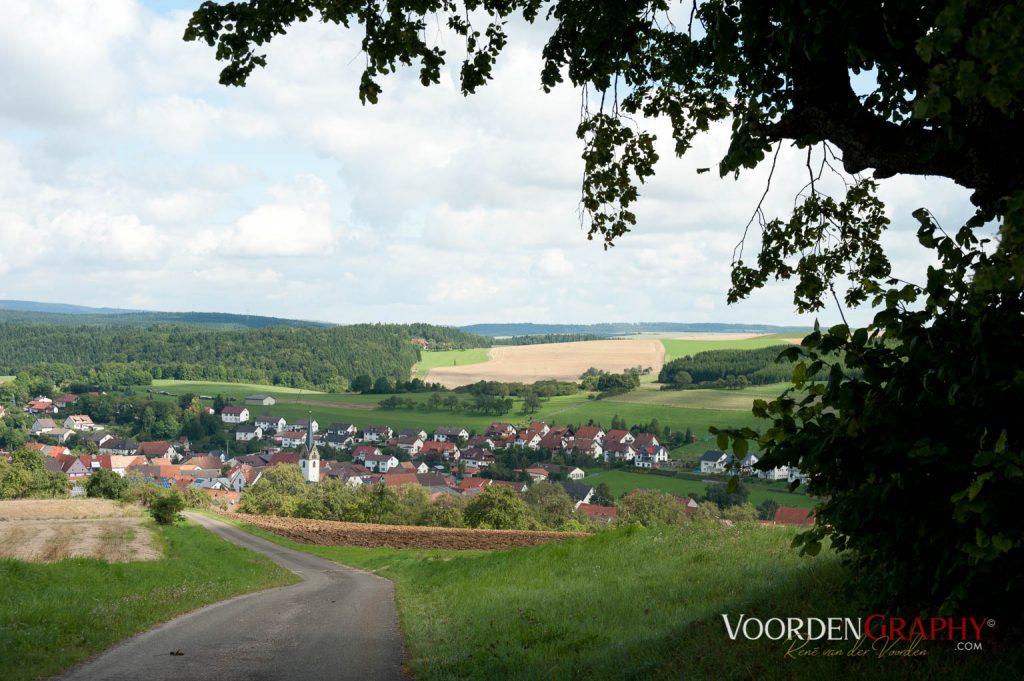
[(336, 624)]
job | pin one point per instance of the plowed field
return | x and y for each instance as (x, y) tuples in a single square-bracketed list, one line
[(332, 533)]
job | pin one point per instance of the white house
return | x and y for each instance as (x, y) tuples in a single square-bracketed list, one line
[(292, 438), (449, 434), (304, 425), (713, 461), (377, 434), (274, 423), (40, 426), (410, 443), (247, 432), (778, 473), (575, 474), (234, 414), (79, 422), (796, 474), (264, 400), (380, 463)]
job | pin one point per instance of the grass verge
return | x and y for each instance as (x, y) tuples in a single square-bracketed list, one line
[(55, 615), (633, 604)]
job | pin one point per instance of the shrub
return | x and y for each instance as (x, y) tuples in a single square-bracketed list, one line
[(106, 485), (651, 508), (166, 507), (743, 513), (498, 507), (445, 512), (197, 498)]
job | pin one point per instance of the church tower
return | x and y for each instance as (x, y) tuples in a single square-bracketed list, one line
[(309, 463)]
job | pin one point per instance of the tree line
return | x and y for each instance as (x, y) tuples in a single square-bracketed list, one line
[(328, 358)]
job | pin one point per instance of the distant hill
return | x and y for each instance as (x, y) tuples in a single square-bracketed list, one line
[(625, 329), (59, 314)]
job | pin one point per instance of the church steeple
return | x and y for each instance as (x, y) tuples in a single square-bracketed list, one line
[(309, 462)]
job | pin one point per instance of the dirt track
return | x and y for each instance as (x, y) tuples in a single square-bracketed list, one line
[(331, 533)]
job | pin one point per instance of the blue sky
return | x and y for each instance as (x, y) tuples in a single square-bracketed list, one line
[(130, 178)]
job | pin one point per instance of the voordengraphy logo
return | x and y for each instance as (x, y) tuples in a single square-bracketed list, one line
[(884, 635)]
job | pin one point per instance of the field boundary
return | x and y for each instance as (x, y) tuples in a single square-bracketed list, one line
[(368, 535)]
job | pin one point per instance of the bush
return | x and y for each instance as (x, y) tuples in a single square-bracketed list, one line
[(166, 508), (742, 513), (106, 485), (445, 512), (498, 507), (651, 508), (197, 498), (143, 492)]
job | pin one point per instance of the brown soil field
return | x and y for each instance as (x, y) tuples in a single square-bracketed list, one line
[(559, 361), (46, 530), (332, 533)]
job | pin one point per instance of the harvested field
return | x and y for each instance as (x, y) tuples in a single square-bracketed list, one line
[(559, 361), (332, 533), (50, 530)]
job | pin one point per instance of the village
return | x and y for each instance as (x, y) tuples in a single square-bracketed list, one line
[(450, 460)]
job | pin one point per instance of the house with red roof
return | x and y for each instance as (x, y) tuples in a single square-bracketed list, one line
[(604, 514), (234, 414), (618, 437), (66, 400), (791, 515), (448, 451), (362, 451), (590, 433), (155, 449)]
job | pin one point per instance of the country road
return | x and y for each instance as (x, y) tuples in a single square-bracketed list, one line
[(336, 624)]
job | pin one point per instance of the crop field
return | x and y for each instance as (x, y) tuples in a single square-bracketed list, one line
[(559, 361), (52, 530), (448, 358), (689, 345), (621, 482), (368, 535), (719, 400)]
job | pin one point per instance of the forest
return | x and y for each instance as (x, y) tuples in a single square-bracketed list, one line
[(758, 367), (327, 358)]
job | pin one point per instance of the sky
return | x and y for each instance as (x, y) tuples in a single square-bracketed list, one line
[(130, 178)]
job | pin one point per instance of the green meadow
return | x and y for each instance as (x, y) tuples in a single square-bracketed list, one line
[(54, 615), (671, 409), (5, 379), (635, 603), (430, 359), (676, 347), (621, 482)]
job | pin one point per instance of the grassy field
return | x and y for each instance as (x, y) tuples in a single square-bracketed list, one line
[(55, 615), (719, 400), (620, 482), (589, 609), (447, 358), (572, 409), (675, 347)]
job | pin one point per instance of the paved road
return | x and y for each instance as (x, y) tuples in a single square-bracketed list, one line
[(337, 624)]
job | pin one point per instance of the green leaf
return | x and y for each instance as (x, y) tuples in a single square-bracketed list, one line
[(733, 483), (723, 441), (739, 447), (812, 548)]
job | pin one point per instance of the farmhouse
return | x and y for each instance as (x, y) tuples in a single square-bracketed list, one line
[(234, 414), (263, 400)]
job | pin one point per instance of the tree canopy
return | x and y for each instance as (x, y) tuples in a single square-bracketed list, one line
[(919, 457)]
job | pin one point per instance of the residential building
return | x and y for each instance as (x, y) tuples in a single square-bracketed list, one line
[(234, 414)]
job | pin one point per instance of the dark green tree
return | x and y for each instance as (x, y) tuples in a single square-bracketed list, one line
[(499, 508), (167, 506), (919, 459), (106, 485)]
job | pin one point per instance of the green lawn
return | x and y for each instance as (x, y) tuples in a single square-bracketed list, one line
[(6, 379), (55, 615), (446, 358), (675, 347), (632, 604), (620, 482)]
